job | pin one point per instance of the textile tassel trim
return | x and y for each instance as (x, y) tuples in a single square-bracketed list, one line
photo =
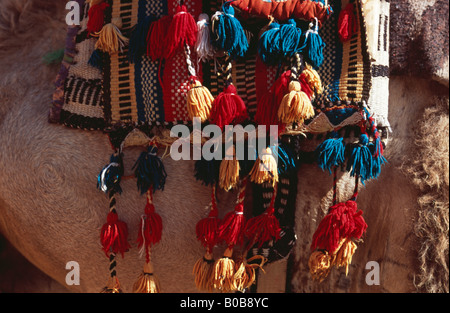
[(204, 273), (245, 272), (360, 160), (228, 34), (199, 99), (147, 282), (228, 108), (347, 23), (149, 170), (96, 16), (296, 106), (182, 32), (229, 170), (203, 47), (138, 39), (314, 45), (265, 168), (110, 38), (156, 37), (224, 270), (265, 227), (331, 152)]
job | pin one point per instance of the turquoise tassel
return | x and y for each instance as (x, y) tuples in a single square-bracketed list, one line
[(291, 39), (331, 152), (269, 45), (360, 160), (228, 34), (377, 158), (314, 46)]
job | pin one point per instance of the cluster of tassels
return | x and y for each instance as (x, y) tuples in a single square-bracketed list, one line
[(150, 175), (334, 241)]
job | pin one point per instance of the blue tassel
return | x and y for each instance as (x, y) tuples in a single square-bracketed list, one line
[(314, 46), (377, 158), (228, 34), (207, 171), (331, 152), (286, 159), (110, 176), (291, 39), (269, 45), (138, 39), (360, 160), (149, 171), (96, 59)]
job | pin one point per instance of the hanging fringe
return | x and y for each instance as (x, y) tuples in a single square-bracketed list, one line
[(96, 59), (269, 45), (203, 46), (138, 39), (331, 152), (347, 23), (207, 229), (156, 38), (360, 160), (228, 34), (312, 78), (314, 45), (204, 273), (319, 264), (147, 282), (229, 170), (207, 171), (224, 270), (149, 170), (265, 168), (96, 18), (110, 38), (182, 32), (245, 272)]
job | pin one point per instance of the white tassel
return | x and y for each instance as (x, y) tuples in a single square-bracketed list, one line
[(203, 47)]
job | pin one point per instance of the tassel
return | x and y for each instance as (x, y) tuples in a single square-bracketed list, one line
[(182, 32), (342, 221), (110, 38), (245, 274), (296, 105), (232, 228), (347, 23), (224, 270), (314, 45), (330, 153), (114, 234), (156, 38), (204, 273), (138, 39), (343, 257), (109, 178), (199, 100), (360, 160), (228, 107), (229, 170), (269, 45), (207, 229), (286, 159), (203, 46), (149, 170), (207, 171), (319, 265), (228, 34), (265, 168), (147, 282), (291, 39), (312, 79), (375, 147), (150, 227), (96, 16)]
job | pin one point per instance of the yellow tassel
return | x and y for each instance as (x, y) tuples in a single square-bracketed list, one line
[(113, 286), (147, 282), (343, 256), (229, 171), (265, 168), (295, 106), (199, 101), (313, 79), (224, 272), (245, 274), (319, 265), (110, 38), (204, 273)]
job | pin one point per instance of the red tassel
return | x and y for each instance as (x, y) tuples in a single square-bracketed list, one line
[(347, 23), (228, 108), (262, 228), (305, 86), (156, 38), (267, 108), (232, 228), (342, 221), (182, 31), (96, 18), (150, 229), (114, 235), (207, 229)]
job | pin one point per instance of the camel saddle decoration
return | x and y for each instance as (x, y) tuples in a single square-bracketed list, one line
[(133, 69)]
